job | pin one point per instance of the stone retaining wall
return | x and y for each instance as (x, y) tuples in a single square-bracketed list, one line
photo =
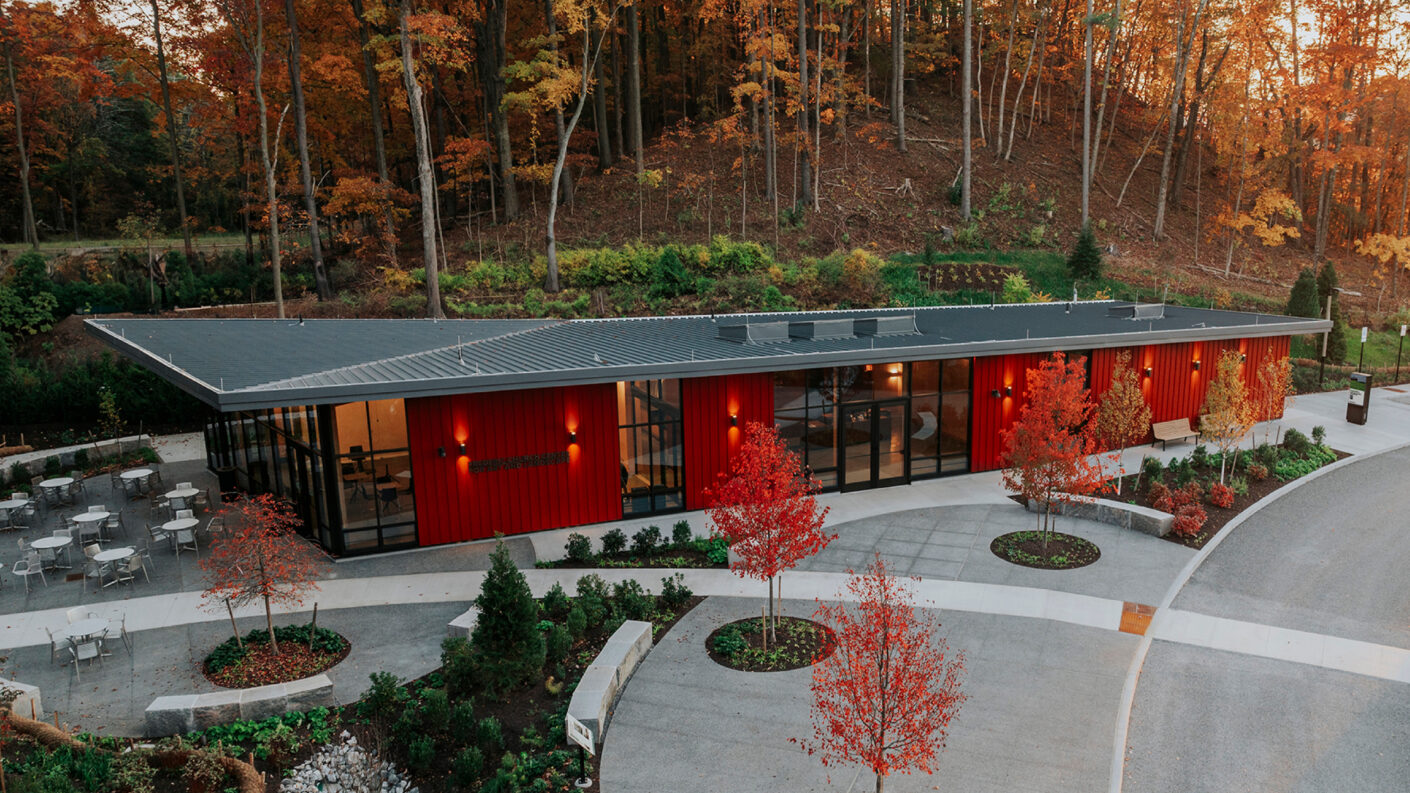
[(33, 462), (173, 715), (608, 675), (1114, 513)]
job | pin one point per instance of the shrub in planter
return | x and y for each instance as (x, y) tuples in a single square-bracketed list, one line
[(1221, 495), (1239, 485), (646, 540), (1258, 471), (632, 602), (555, 602), (506, 641), (1152, 468), (421, 754), (614, 542), (407, 727), (681, 534), (384, 696), (467, 766), (435, 709), (459, 667), (593, 597), (1296, 442), (1199, 458), (1319, 434), (1267, 456), (489, 734), (674, 592), (557, 643), (1184, 504), (462, 722), (579, 548), (1158, 493)]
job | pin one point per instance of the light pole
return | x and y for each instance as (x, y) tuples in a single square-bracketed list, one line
[(1398, 348)]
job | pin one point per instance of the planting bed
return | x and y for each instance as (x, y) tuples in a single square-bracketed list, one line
[(740, 645), (304, 651), (1061, 552)]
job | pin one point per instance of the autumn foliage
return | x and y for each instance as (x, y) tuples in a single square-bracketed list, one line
[(1184, 504), (888, 688), (1048, 451), (1228, 413), (260, 557), (765, 507)]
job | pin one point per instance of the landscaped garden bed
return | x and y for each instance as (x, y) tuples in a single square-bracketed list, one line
[(1056, 551), (302, 651), (491, 717), (648, 547), (1189, 487), (745, 645)]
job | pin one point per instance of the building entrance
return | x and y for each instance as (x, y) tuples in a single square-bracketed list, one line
[(873, 445)]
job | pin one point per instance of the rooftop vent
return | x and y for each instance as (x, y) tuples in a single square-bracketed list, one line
[(819, 329), (1138, 311), (755, 332), (895, 325)]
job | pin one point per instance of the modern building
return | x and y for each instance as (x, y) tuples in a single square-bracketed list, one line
[(396, 433)]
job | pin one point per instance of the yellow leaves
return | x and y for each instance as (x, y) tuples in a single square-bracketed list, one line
[(652, 177), (399, 279), (1385, 247), (1274, 218), (337, 71)]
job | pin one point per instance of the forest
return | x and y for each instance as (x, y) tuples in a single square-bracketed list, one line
[(367, 143)]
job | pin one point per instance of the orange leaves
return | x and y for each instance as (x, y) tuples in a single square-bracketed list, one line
[(1123, 417), (1048, 449), (885, 696), (766, 508), (260, 556)]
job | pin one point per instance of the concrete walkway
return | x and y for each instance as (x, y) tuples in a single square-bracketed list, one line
[(993, 611)]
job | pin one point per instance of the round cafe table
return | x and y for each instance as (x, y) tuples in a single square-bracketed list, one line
[(185, 492), (113, 555), (91, 517), (62, 481), (136, 473), (173, 526), (14, 503), (85, 628), (53, 544)]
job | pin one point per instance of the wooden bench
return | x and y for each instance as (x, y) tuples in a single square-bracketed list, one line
[(1173, 430)]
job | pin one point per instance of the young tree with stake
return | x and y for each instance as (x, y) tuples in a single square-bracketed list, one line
[(1048, 451), (1228, 414), (885, 695), (1123, 417), (767, 511), (260, 557)]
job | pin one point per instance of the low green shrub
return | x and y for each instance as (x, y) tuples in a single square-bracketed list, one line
[(421, 754), (576, 622), (674, 592), (646, 540), (435, 709), (462, 722), (555, 602), (1297, 443), (579, 548), (489, 734), (681, 534), (630, 601), (466, 767), (614, 542), (557, 643), (729, 642)]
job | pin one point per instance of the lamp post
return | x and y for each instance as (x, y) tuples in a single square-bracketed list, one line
[(1361, 356), (1398, 348)]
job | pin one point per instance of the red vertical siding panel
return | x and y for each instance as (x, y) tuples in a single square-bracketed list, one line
[(709, 439)]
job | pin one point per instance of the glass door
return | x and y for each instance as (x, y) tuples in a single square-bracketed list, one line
[(874, 445), (857, 446)]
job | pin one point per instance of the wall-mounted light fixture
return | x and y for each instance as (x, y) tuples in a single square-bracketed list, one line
[(1196, 364), (734, 419), (1148, 371), (572, 436), (1243, 357), (440, 451), (462, 449), (994, 393), (1008, 390)]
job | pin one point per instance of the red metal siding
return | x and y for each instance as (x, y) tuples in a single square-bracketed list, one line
[(991, 414), (452, 504), (710, 441)]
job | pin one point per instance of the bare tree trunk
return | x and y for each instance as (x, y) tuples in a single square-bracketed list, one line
[(898, 71), (374, 100), (866, 59), (1182, 58), (1004, 91), (634, 86), (425, 178), (320, 275), (565, 184), (31, 232), (967, 91), (1018, 97), (1034, 108), (490, 54), (1106, 87), (1087, 116), (599, 111), (171, 131), (805, 165), (590, 60)]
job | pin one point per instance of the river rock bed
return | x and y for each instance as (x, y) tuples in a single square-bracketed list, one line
[(345, 768)]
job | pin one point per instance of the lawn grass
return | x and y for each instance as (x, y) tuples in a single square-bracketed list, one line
[(1380, 348)]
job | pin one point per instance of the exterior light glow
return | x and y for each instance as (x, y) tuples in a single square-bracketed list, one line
[(1148, 371), (734, 419), (1008, 390), (572, 436), (1196, 364), (462, 449)]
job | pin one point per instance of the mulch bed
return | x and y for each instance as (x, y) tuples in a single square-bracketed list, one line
[(1062, 551), (1219, 517), (953, 276), (801, 643), (261, 666)]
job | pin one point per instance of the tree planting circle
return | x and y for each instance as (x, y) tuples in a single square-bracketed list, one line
[(1062, 552), (801, 643)]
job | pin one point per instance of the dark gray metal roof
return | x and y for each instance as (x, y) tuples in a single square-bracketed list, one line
[(249, 363)]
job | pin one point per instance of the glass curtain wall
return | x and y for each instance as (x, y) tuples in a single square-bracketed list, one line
[(274, 451), (361, 501), (649, 436), (876, 424), (372, 468)]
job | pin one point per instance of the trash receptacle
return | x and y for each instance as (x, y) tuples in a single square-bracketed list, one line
[(1358, 403), (226, 478)]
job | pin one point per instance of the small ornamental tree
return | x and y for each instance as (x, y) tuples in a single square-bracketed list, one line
[(765, 508), (1228, 415), (1123, 417), (1274, 390), (260, 557), (507, 644), (1048, 451), (886, 694)]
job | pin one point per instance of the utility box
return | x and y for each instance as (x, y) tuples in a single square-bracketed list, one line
[(1358, 403)]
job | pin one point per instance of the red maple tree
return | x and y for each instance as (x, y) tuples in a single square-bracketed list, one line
[(260, 556), (765, 508), (1048, 452), (885, 695)]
